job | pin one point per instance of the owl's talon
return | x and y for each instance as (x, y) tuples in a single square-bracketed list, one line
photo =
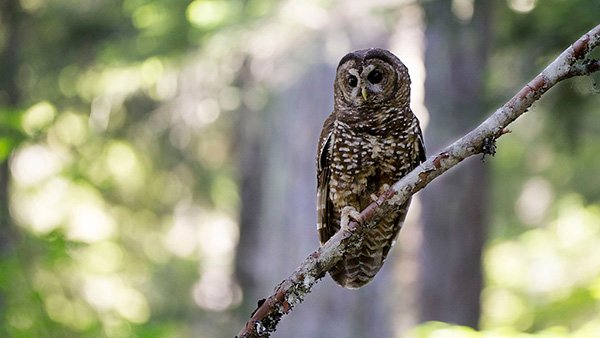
[(384, 189), (350, 213)]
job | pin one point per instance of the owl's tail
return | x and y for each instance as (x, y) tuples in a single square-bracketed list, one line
[(361, 264)]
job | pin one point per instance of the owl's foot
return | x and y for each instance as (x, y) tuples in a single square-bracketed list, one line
[(384, 189), (350, 213)]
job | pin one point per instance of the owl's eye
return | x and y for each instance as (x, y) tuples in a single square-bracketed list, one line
[(375, 77), (352, 81)]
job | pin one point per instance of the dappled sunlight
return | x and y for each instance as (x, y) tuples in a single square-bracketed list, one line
[(111, 293), (71, 128), (33, 164), (549, 265), (443, 330), (182, 238), (21, 318), (506, 309), (208, 13), (577, 226), (213, 237), (124, 164), (107, 87), (59, 202), (166, 86), (38, 117), (509, 268), (463, 9), (212, 233), (32, 5), (146, 16), (88, 223), (216, 291), (537, 196), (102, 258), (46, 201), (73, 313), (308, 14), (170, 188), (208, 111), (547, 270), (100, 114), (522, 6), (217, 237)]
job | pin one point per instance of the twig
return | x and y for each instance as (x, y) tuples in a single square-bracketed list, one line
[(292, 290)]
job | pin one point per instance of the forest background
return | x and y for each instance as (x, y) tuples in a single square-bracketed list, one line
[(157, 171)]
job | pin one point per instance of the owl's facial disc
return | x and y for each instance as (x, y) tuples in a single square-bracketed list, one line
[(375, 80), (356, 85), (367, 80), (359, 85), (368, 84), (371, 78)]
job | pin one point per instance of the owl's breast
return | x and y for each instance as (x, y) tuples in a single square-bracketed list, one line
[(392, 155), (351, 165), (361, 163)]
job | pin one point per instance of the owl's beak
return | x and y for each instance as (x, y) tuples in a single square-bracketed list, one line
[(364, 93)]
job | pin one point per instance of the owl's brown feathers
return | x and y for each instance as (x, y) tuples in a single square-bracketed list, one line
[(372, 138)]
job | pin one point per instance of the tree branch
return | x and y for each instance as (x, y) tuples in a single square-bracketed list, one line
[(291, 291)]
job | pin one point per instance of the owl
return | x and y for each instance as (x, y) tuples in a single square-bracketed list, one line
[(371, 140)]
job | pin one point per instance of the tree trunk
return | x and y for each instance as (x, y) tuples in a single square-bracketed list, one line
[(250, 149), (454, 206)]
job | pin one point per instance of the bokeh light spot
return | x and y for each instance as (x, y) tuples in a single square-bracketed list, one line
[(71, 128), (206, 14), (38, 117), (145, 16), (463, 10), (152, 70), (208, 111), (89, 223), (32, 6), (182, 239), (536, 197), (124, 165), (19, 318), (33, 164), (522, 6), (102, 257), (59, 309), (505, 308), (216, 291)]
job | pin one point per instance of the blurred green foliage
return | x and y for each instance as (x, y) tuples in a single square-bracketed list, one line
[(125, 191), (124, 199)]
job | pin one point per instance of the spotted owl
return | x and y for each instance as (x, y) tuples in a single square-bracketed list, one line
[(371, 140)]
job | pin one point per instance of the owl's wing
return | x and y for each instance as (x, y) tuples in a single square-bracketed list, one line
[(324, 204), (422, 156)]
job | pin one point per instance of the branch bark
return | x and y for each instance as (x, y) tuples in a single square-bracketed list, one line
[(291, 291)]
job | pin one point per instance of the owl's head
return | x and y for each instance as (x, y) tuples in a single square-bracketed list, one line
[(369, 76)]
